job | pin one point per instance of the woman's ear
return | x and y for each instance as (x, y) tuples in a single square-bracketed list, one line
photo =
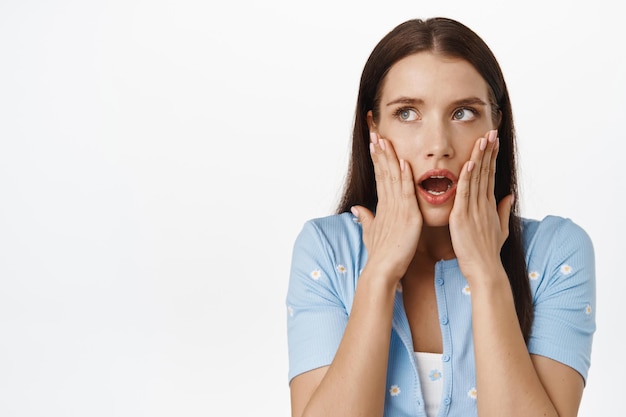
[(370, 122)]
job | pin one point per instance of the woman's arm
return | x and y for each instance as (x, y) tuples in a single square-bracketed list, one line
[(563, 384), (509, 381), (354, 383)]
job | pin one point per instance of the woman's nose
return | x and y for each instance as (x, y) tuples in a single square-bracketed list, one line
[(438, 144)]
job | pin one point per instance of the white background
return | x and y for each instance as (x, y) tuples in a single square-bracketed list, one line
[(158, 158)]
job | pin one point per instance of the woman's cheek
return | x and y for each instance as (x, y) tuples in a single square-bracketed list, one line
[(406, 146)]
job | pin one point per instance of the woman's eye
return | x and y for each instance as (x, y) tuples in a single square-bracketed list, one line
[(464, 114), (407, 115)]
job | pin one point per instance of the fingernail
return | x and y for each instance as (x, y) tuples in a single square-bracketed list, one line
[(382, 144), (470, 166), (402, 165), (483, 144), (372, 150), (493, 135), (354, 211), (373, 138)]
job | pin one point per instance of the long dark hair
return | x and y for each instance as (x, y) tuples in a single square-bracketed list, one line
[(449, 38)]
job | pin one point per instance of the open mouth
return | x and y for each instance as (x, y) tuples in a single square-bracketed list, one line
[(436, 184)]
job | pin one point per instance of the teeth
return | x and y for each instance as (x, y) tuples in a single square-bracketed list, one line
[(439, 177)]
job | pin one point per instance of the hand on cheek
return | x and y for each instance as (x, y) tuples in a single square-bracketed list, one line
[(391, 235), (479, 227)]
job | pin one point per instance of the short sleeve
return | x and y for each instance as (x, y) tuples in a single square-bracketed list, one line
[(564, 296), (316, 314)]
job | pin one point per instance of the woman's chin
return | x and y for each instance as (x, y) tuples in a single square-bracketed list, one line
[(436, 218), (436, 215)]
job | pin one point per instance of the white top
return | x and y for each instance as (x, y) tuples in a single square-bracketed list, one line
[(430, 370)]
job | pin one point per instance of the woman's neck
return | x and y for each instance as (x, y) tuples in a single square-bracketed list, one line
[(435, 244)]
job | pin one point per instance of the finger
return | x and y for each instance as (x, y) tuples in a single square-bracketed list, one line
[(407, 184), (379, 172), (504, 213), (486, 173), (393, 166), (463, 187), (388, 169), (476, 170), (381, 168), (491, 191), (363, 215)]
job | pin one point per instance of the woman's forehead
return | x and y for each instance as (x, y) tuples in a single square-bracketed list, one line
[(426, 76)]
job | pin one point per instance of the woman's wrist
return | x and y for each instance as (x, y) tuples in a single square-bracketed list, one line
[(379, 279), (488, 277)]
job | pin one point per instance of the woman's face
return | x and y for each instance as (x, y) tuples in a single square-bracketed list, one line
[(433, 109)]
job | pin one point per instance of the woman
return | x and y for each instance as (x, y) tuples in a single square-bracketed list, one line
[(445, 301)]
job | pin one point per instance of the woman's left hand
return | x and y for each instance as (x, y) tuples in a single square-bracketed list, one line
[(479, 226)]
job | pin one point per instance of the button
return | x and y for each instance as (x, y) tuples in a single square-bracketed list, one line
[(446, 401), (444, 320), (419, 402), (445, 358), (439, 281)]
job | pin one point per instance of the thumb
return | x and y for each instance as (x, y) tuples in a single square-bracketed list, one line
[(364, 215), (504, 212)]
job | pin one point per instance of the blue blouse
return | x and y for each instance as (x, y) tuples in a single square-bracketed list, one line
[(328, 257)]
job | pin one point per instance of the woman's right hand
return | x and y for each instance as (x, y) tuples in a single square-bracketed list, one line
[(392, 234)]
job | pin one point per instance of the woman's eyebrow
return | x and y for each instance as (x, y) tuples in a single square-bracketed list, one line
[(469, 101), (406, 100)]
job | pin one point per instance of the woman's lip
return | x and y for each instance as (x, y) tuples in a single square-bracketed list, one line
[(441, 198), (437, 199), (438, 173)]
